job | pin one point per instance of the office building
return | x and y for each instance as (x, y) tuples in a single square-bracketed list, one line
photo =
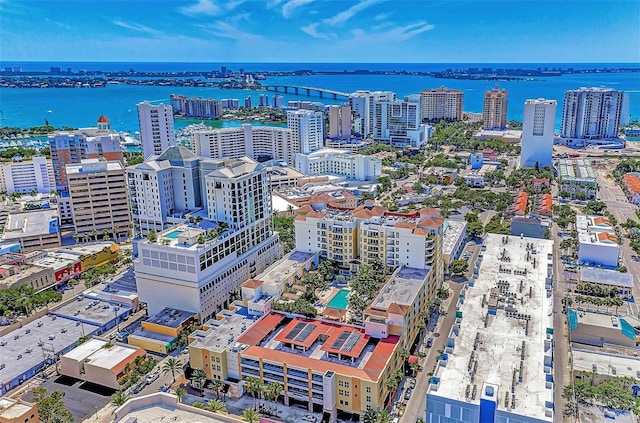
[(307, 129), (538, 133), (156, 128), (593, 113), (441, 104), (256, 142), (498, 360), (194, 107), (24, 177), (340, 122), (195, 266), (494, 109), (99, 203), (66, 148), (100, 362), (598, 243), (339, 162), (35, 230)]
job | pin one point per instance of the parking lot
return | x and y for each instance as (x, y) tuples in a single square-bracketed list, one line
[(82, 399)]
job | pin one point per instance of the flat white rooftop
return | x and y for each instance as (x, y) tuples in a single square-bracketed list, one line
[(453, 231), (285, 267), (34, 223), (221, 333), (505, 325), (606, 364), (402, 288)]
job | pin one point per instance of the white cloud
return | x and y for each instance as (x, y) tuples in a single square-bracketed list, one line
[(381, 16), (202, 7), (290, 6), (345, 15), (312, 30), (137, 27), (60, 24), (400, 33)]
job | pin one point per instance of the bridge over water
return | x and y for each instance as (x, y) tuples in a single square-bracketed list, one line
[(297, 89)]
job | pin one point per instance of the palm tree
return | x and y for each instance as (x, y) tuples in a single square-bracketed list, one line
[(198, 404), (391, 384), (415, 366), (217, 385), (26, 303), (370, 416), (254, 386), (250, 415), (119, 398), (404, 355), (180, 392), (273, 391), (76, 236), (384, 417), (199, 377), (216, 406), (105, 233), (173, 366), (94, 233)]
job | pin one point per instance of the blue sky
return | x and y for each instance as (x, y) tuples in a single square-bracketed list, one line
[(320, 31)]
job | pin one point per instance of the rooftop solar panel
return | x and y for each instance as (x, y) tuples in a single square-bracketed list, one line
[(295, 331), (353, 339), (337, 344), (305, 332)]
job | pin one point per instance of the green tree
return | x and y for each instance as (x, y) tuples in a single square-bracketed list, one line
[(216, 406), (198, 376), (475, 229), (119, 398), (458, 267), (172, 366), (250, 415), (180, 392), (217, 385), (253, 386), (198, 404), (51, 408)]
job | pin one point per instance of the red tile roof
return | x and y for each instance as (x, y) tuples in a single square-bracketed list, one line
[(103, 119), (260, 329), (607, 237), (251, 283)]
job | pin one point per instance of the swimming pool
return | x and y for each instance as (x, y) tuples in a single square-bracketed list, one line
[(173, 234), (339, 300)]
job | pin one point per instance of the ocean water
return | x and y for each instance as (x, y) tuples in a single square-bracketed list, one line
[(80, 107)]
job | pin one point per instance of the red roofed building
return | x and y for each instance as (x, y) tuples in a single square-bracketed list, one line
[(631, 182), (519, 206), (543, 205)]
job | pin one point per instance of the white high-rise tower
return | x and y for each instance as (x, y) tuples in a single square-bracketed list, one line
[(156, 128), (307, 128), (593, 113), (537, 132)]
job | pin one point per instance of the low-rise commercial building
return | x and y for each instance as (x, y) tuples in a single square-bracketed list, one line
[(17, 411), (596, 328), (34, 230), (498, 362), (36, 277), (529, 226), (598, 243), (99, 361), (282, 175), (623, 282), (161, 331)]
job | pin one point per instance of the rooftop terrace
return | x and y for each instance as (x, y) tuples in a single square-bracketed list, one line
[(502, 334)]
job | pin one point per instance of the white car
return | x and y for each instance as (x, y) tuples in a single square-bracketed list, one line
[(151, 377)]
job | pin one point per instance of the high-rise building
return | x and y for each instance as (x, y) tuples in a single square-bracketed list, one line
[(163, 188), (247, 102), (194, 266), (441, 104), (307, 129), (538, 132), (23, 177), (66, 148), (98, 193), (340, 122), (278, 101), (398, 122), (593, 113), (156, 128), (256, 142), (201, 108), (264, 100), (494, 109)]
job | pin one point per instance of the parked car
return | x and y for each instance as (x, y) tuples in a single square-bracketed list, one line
[(139, 387), (151, 377), (429, 342), (412, 383), (407, 393)]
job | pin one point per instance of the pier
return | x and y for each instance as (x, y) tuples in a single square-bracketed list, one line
[(306, 90)]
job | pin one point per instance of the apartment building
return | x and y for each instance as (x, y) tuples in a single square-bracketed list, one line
[(156, 128), (340, 122), (398, 122), (23, 177), (577, 175), (256, 142), (196, 107), (598, 242), (66, 148), (371, 232), (593, 113), (195, 266), (441, 104), (307, 129), (494, 109), (98, 193), (339, 162)]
